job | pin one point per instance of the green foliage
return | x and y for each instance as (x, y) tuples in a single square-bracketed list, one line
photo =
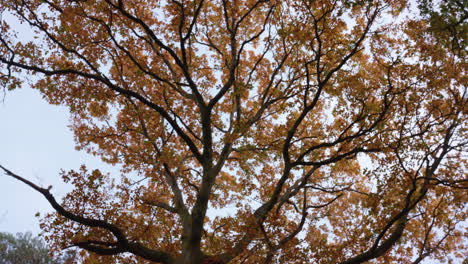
[(24, 248), (448, 22)]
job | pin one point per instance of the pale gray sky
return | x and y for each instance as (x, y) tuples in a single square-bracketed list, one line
[(35, 142)]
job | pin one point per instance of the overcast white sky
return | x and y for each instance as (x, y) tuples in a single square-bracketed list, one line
[(35, 142)]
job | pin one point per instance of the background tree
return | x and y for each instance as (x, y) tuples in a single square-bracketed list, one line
[(26, 249), (250, 131), (448, 22)]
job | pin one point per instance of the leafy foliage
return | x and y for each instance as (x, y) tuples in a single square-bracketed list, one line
[(321, 131), (448, 21), (26, 249)]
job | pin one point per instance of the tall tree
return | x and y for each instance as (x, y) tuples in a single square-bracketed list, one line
[(311, 131)]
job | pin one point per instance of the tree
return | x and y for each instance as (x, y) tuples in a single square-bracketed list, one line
[(447, 20), (25, 249), (250, 131)]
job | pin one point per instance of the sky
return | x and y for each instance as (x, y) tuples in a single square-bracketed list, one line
[(35, 143)]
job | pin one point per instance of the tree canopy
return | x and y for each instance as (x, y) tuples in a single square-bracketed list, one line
[(254, 131)]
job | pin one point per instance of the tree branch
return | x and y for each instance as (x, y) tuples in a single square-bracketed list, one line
[(123, 244)]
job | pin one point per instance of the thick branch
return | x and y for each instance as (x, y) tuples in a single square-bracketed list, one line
[(123, 244)]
